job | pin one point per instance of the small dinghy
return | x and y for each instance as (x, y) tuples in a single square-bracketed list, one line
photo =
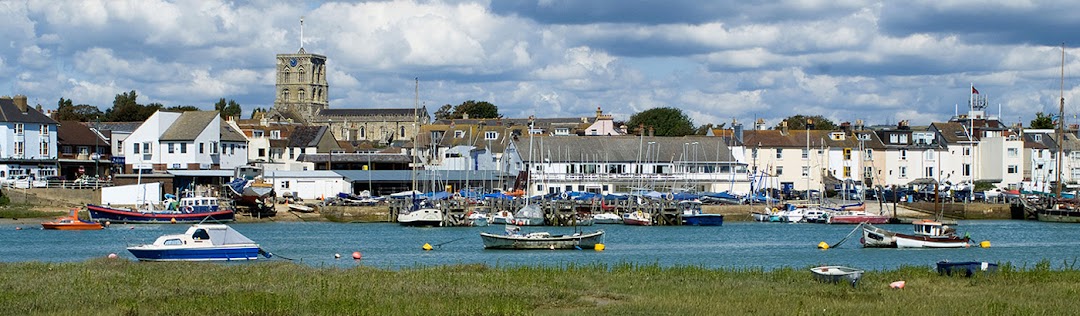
[(835, 274)]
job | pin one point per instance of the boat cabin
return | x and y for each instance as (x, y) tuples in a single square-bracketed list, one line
[(931, 228), (199, 204)]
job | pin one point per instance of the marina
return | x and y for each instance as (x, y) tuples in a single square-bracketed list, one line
[(733, 245)]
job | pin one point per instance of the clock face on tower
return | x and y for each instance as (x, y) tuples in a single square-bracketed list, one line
[(292, 62)]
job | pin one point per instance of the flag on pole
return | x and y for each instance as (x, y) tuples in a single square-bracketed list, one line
[(973, 91)]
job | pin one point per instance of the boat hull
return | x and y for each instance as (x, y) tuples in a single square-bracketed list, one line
[(607, 218), (66, 226), (914, 241), (857, 219), (231, 253), (516, 242), (1059, 216), (874, 237), (966, 268), (837, 274), (529, 221), (421, 217), (703, 220), (102, 213)]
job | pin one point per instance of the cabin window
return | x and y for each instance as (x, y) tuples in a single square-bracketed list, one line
[(173, 242), (200, 234)]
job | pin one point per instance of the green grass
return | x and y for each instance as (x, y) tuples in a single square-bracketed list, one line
[(25, 211), (113, 287)]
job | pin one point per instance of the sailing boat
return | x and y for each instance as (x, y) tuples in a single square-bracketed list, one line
[(421, 212), (530, 214), (1057, 210)]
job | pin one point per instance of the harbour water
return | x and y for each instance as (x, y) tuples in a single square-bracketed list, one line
[(734, 245)]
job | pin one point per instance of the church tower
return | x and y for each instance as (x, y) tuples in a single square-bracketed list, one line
[(301, 84)]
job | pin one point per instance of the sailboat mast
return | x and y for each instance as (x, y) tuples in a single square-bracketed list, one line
[(1061, 123), (416, 129)]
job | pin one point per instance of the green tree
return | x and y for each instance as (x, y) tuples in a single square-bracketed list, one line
[(182, 108), (796, 122), (227, 109), (126, 109), (665, 121), (1042, 121), (444, 112), (82, 112), (256, 111), (476, 110)]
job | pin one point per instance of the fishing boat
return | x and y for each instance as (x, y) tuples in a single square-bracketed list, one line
[(607, 218), (693, 216), (71, 222), (855, 217), (529, 215), (931, 234), (513, 239), (190, 210), (835, 274), (201, 242), (965, 268), (637, 218), (876, 237)]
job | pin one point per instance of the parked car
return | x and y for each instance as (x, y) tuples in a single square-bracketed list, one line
[(10, 180)]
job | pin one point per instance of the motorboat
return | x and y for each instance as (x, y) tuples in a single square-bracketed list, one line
[(638, 218), (856, 217), (836, 274), (607, 218), (502, 218), (529, 215), (421, 217), (476, 218), (931, 234), (876, 237), (513, 239), (71, 222), (201, 242), (693, 216)]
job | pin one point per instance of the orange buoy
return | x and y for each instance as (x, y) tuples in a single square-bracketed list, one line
[(898, 284), (112, 256), (356, 255)]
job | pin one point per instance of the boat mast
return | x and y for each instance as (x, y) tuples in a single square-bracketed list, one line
[(416, 129), (1061, 124)]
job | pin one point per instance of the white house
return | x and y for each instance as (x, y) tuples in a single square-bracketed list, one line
[(189, 141), (27, 140), (312, 184)]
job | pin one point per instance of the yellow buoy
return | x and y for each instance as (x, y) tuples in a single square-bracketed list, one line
[(427, 246), (173, 220), (598, 247), (823, 245), (985, 244)]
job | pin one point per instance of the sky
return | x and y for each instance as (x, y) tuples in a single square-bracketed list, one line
[(717, 61)]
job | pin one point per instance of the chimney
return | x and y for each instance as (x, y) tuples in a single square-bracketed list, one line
[(759, 124), (783, 127), (845, 126), (641, 128), (737, 129), (599, 112), (651, 131), (20, 102), (465, 116), (859, 125), (622, 129)]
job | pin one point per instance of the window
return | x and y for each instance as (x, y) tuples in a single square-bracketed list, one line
[(362, 132), (200, 234), (805, 154), (275, 134), (869, 154), (19, 128), (44, 129), (867, 171), (903, 154), (805, 171), (66, 149), (232, 149), (202, 148), (967, 151), (44, 151), (779, 171), (257, 133), (171, 148), (262, 152), (903, 172), (1037, 137), (928, 155), (847, 153), (847, 172), (135, 147), (967, 170), (1013, 152), (894, 138), (213, 148), (20, 148), (183, 148), (291, 156), (146, 148), (903, 138), (929, 172), (779, 153), (403, 131), (539, 187), (562, 131), (1012, 169), (284, 184), (285, 95), (491, 135)]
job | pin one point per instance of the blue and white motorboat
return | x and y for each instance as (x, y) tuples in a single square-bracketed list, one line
[(693, 216), (201, 242)]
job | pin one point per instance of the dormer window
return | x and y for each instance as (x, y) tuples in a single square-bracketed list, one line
[(275, 134), (1037, 137), (836, 136), (562, 131), (459, 134), (491, 135)]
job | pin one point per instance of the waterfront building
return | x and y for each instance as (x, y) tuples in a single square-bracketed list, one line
[(83, 151), (27, 140), (193, 140)]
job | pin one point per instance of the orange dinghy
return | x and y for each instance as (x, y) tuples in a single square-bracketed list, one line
[(71, 222)]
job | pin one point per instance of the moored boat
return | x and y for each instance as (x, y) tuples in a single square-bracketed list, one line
[(502, 218), (638, 218), (856, 217), (965, 268), (693, 216), (835, 274), (541, 240), (607, 218), (201, 242), (529, 215), (71, 222), (931, 234), (476, 219), (189, 210)]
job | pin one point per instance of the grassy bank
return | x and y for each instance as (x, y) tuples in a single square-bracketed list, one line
[(27, 211), (114, 287)]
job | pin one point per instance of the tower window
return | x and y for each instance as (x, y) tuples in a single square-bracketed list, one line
[(300, 95), (300, 75), (285, 95)]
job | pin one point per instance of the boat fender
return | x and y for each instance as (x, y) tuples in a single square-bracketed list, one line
[(669, 196)]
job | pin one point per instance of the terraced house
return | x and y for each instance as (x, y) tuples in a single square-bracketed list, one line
[(27, 141)]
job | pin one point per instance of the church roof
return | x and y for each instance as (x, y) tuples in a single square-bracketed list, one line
[(369, 112)]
